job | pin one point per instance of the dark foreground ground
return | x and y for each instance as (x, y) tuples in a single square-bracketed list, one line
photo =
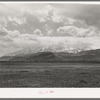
[(49, 75)]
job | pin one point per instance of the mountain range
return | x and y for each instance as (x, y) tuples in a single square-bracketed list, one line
[(45, 55)]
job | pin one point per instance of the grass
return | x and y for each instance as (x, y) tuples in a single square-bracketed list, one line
[(49, 75)]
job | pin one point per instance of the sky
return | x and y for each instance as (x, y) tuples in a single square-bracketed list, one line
[(59, 25)]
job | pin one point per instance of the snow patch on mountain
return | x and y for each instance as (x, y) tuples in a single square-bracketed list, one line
[(50, 48)]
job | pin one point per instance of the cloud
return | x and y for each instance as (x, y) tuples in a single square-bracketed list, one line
[(3, 22), (61, 26), (19, 21), (56, 43), (85, 12), (12, 34), (37, 32), (76, 32), (88, 13), (49, 31), (18, 40), (68, 43), (52, 16), (70, 21)]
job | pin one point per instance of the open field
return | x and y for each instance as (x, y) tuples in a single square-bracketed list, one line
[(49, 75)]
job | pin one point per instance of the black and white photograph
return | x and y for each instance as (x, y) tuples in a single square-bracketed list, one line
[(49, 45)]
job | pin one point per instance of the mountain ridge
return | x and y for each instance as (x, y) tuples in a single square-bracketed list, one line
[(83, 56)]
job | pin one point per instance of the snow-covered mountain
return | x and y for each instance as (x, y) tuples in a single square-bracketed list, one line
[(53, 54), (33, 50), (82, 56)]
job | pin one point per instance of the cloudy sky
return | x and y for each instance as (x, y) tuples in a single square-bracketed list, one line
[(61, 25)]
